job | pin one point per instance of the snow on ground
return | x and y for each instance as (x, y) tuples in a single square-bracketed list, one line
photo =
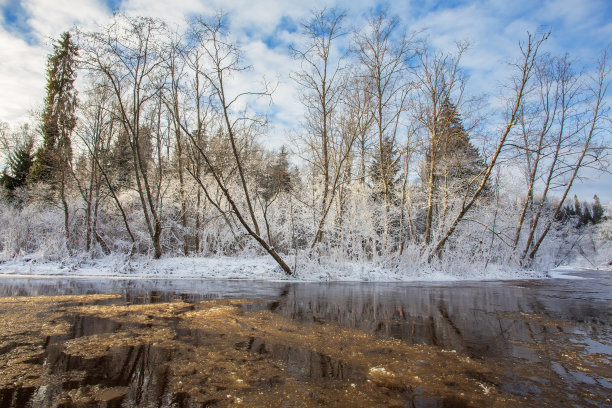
[(122, 267), (600, 259), (565, 273), (250, 268)]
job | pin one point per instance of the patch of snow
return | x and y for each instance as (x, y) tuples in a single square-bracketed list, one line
[(563, 273), (252, 268)]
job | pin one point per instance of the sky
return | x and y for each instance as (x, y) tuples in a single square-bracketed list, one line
[(265, 29)]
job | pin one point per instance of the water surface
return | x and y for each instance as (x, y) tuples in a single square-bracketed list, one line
[(193, 343)]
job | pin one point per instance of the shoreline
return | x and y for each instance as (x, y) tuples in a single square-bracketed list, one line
[(260, 268)]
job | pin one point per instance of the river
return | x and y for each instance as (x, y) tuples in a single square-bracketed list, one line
[(196, 343)]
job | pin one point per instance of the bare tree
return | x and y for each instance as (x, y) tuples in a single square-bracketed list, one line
[(220, 60), (359, 113), (383, 52), (95, 132), (352, 144), (438, 80), (529, 51), (175, 70), (321, 79), (560, 126), (405, 199), (196, 114), (128, 53)]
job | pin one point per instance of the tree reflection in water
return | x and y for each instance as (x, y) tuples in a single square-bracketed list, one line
[(538, 343)]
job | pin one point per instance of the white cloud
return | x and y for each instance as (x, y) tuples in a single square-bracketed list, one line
[(21, 77), (23, 63), (493, 27), (171, 12), (48, 19)]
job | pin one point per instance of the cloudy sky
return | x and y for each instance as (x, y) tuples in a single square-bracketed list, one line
[(265, 28)]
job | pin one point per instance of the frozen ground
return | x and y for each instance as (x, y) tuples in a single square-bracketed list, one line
[(259, 268)]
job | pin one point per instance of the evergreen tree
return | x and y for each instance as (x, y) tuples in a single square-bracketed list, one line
[(577, 207), (19, 162), (53, 161), (458, 161), (587, 217), (120, 161), (566, 213), (58, 119), (597, 210), (276, 177), (386, 169)]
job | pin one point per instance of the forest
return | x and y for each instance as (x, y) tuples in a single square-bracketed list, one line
[(151, 143)]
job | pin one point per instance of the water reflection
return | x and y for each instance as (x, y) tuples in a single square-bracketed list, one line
[(476, 319), (476, 344)]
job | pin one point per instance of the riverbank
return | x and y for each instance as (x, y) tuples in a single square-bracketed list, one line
[(259, 268)]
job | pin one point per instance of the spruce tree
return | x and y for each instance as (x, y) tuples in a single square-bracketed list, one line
[(276, 177), (597, 210), (458, 160), (587, 217), (58, 119), (385, 170), (577, 207), (53, 160), (19, 163), (120, 161)]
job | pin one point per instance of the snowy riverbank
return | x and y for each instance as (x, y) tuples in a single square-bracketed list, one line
[(255, 268)]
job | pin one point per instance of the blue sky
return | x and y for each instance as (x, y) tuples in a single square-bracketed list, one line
[(265, 28)]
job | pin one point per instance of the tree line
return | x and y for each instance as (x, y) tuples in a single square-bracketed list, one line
[(160, 151)]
